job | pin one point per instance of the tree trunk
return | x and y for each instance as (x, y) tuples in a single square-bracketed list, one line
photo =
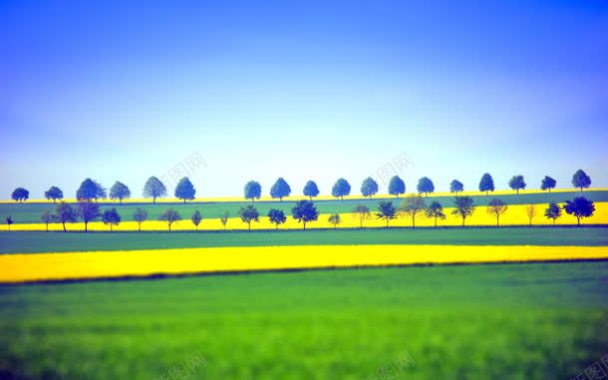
[(47, 227), (435, 222), (276, 227), (413, 220), (64, 230), (387, 222), (169, 225), (110, 227), (463, 218), (578, 219), (304, 225), (249, 226), (497, 220), (153, 199), (139, 227), (86, 226)]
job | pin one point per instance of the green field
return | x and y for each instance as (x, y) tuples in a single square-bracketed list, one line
[(30, 242), (519, 321), (31, 212)]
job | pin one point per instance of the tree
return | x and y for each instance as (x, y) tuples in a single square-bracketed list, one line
[(280, 189), (517, 183), (361, 212), (185, 190), (224, 219), (304, 212), (497, 207), (65, 213), (486, 184), (396, 186), (334, 220), (341, 188), (20, 194), (9, 221), (170, 216), (196, 218), (90, 190), (581, 180), (111, 218), (119, 191), (553, 211), (53, 193), (249, 214), (277, 217), (435, 210), (425, 186), (311, 190), (140, 215), (531, 212), (88, 211), (548, 183), (46, 218), (412, 205), (456, 186), (154, 188), (463, 207), (580, 207), (369, 187), (386, 211), (253, 191)]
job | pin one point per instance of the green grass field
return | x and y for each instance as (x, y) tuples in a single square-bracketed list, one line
[(519, 321), (31, 212), (30, 242)]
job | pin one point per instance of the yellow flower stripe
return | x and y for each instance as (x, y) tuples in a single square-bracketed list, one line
[(106, 264), (318, 198), (515, 215)]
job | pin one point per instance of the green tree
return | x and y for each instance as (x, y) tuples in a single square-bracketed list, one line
[(9, 222), (517, 183), (111, 217), (249, 214), (435, 211), (140, 215), (396, 186), (280, 189), (20, 194), (185, 190), (334, 220), (361, 212), (412, 205), (170, 216), (277, 217), (425, 186), (548, 183), (456, 186), (89, 212), (581, 180), (311, 190), (486, 184), (154, 188), (196, 218), (553, 211), (580, 207), (46, 218), (386, 211), (253, 191), (497, 207), (305, 212), (119, 191), (53, 193), (65, 213), (341, 188), (531, 213), (90, 190), (369, 187), (463, 207)]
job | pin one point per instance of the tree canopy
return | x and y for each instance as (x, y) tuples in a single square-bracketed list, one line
[(311, 190), (88, 211), (341, 188), (412, 205), (463, 207), (20, 194), (497, 207), (119, 191), (580, 207), (425, 186), (304, 212), (154, 188), (456, 186), (581, 180), (53, 193), (249, 214), (185, 190), (111, 217), (280, 189), (396, 186), (170, 216), (369, 187), (548, 183), (253, 190), (277, 217), (386, 211), (486, 183), (90, 190), (435, 211), (517, 183)]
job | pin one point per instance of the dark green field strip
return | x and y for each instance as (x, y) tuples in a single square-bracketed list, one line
[(31, 242), (31, 212), (518, 321)]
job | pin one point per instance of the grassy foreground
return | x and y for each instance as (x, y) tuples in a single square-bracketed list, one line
[(33, 242), (520, 321)]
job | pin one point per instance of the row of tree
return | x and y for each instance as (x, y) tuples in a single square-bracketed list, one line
[(154, 188), (305, 212)]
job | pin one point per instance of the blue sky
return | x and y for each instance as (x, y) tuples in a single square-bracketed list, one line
[(303, 90)]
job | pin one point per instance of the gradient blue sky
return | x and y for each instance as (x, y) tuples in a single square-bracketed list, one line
[(303, 90)]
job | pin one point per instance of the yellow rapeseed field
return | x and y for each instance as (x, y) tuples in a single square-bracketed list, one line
[(87, 265), (515, 215)]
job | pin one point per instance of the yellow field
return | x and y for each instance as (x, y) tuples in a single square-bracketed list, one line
[(88, 265), (301, 197), (515, 215)]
